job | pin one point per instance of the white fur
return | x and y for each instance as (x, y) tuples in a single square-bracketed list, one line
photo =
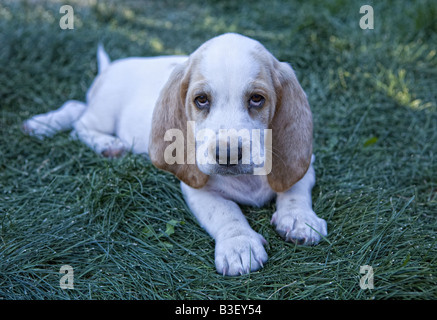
[(117, 118)]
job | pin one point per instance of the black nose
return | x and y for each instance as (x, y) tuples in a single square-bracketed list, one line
[(229, 161)]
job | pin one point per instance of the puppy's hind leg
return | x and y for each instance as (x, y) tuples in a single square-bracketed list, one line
[(62, 119), (102, 143)]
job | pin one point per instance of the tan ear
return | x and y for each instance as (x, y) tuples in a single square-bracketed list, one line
[(292, 129), (169, 113)]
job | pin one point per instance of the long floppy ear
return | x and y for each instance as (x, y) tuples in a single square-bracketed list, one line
[(292, 130), (169, 113)]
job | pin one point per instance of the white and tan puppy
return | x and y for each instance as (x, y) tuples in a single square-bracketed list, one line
[(238, 109)]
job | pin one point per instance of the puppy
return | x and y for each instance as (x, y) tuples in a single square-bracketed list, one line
[(230, 121)]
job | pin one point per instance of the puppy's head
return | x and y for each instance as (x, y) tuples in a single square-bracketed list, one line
[(232, 109)]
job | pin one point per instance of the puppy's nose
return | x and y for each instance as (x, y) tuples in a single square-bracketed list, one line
[(228, 158)]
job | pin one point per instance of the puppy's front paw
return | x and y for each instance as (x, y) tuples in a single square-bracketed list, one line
[(240, 254), (301, 226)]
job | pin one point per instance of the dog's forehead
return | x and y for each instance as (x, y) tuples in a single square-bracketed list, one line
[(230, 59)]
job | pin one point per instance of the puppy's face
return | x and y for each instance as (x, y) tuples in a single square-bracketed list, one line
[(231, 98), (245, 111)]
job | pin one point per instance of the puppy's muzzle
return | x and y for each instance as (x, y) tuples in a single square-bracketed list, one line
[(229, 156)]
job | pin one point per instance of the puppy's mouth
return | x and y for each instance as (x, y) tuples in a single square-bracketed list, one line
[(231, 169)]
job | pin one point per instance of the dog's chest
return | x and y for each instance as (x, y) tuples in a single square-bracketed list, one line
[(248, 189)]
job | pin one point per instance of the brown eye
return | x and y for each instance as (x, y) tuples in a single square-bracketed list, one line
[(256, 101), (202, 102)]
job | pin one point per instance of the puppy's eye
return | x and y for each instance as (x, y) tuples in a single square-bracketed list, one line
[(256, 101), (202, 102)]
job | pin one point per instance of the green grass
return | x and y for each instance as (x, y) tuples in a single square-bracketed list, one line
[(123, 225)]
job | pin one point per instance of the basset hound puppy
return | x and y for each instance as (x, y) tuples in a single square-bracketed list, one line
[(230, 121)]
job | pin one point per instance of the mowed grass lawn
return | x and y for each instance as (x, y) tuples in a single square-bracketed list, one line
[(122, 225)]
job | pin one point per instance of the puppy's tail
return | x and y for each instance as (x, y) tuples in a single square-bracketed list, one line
[(103, 59)]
